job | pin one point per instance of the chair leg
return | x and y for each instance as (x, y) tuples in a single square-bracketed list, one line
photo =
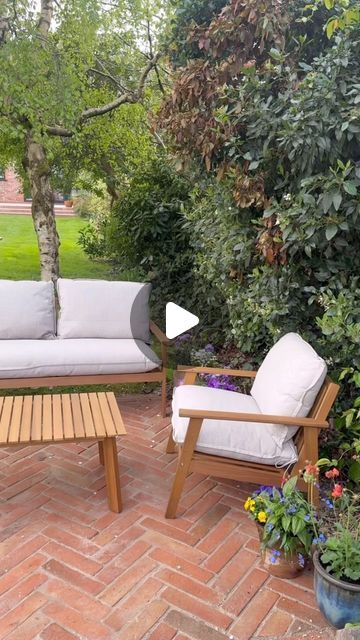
[(309, 454), (182, 470), (163, 396), (101, 452), (171, 446)]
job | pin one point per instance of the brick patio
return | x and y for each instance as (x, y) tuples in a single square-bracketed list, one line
[(70, 569)]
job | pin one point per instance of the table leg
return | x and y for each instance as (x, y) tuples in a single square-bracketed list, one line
[(101, 452), (112, 474)]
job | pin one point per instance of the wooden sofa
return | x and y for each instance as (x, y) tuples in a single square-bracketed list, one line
[(26, 328)]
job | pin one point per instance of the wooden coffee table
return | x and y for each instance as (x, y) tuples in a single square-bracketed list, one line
[(67, 417)]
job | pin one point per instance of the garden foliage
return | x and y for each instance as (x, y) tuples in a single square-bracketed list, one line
[(269, 106)]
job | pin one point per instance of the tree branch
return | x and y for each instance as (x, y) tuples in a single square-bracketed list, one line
[(145, 73), (59, 131), (99, 111), (127, 97)]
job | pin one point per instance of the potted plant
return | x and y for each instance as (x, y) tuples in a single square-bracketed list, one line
[(286, 522), (337, 557)]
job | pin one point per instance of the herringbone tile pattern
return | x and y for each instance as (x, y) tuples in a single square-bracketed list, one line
[(71, 569)]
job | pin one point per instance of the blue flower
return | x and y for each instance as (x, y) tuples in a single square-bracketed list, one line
[(291, 510), (209, 348), (329, 504), (269, 526), (321, 538), (307, 517), (301, 560), (274, 556)]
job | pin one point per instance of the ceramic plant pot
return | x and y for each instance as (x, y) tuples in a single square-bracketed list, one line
[(277, 564), (339, 601)]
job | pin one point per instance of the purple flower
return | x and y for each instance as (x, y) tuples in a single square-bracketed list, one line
[(307, 517), (184, 337), (220, 382), (209, 348)]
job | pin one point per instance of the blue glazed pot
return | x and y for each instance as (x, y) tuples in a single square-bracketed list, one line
[(339, 601)]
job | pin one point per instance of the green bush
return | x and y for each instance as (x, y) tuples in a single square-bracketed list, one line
[(146, 232)]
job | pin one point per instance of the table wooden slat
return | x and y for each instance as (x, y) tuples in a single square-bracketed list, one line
[(107, 416), (79, 431), (67, 416), (116, 415), (47, 419), (87, 416), (97, 415), (26, 420), (36, 422), (15, 423), (5, 418), (58, 430)]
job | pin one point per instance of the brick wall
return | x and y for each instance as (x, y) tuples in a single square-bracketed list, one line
[(10, 188)]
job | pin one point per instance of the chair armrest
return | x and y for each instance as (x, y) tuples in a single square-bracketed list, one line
[(253, 417), (239, 373), (164, 342), (160, 335)]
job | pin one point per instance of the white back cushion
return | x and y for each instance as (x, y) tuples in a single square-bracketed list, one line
[(288, 381), (27, 310), (103, 309)]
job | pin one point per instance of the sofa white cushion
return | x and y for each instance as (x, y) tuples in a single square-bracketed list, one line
[(103, 309), (245, 441), (27, 310), (288, 381), (82, 356)]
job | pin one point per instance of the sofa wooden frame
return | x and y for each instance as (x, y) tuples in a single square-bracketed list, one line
[(189, 460), (156, 375)]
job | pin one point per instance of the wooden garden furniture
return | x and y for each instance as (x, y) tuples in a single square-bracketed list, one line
[(192, 460), (67, 417)]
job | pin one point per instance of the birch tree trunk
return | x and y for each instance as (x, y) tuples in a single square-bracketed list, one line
[(39, 172), (42, 208)]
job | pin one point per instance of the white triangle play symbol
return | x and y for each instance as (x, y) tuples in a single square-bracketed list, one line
[(178, 320)]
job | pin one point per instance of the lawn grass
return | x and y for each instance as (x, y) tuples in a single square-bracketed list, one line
[(19, 256)]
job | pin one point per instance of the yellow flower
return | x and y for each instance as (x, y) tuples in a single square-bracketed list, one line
[(262, 517), (247, 504)]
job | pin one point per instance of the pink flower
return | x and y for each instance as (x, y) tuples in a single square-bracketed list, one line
[(333, 473), (312, 470), (337, 491)]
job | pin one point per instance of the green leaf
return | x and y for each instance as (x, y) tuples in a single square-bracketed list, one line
[(337, 198), (354, 471), (289, 486), (350, 187), (275, 54), (331, 231), (329, 4)]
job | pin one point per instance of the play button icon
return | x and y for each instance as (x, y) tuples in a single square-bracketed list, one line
[(178, 320)]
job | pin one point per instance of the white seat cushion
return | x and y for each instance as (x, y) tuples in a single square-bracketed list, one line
[(27, 310), (103, 309), (288, 382), (39, 358), (241, 440)]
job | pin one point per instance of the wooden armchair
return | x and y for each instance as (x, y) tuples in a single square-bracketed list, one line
[(190, 460)]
